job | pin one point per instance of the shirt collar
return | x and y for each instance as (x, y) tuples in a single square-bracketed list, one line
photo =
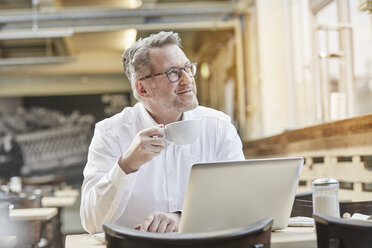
[(148, 121), (145, 117)]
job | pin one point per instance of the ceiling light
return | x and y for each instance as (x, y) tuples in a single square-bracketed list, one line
[(36, 34)]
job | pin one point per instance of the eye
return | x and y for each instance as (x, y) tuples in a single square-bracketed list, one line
[(173, 72), (188, 67)]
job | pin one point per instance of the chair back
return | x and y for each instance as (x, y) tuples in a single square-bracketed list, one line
[(305, 208), (55, 180), (302, 208), (308, 195), (257, 235), (340, 233), (362, 207)]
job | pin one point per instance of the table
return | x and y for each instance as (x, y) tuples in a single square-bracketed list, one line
[(66, 192), (58, 201), (43, 214), (291, 237), (27, 224), (294, 237)]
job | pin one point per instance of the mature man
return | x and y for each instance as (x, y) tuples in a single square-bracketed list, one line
[(133, 177)]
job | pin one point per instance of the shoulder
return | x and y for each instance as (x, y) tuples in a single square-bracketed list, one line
[(125, 118), (209, 114)]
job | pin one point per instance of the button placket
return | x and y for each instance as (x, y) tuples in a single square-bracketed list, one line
[(171, 177)]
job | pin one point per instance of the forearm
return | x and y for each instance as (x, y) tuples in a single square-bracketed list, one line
[(104, 198)]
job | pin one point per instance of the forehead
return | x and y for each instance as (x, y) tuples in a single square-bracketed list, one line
[(163, 58)]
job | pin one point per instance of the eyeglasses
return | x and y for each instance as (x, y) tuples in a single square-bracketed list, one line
[(174, 73)]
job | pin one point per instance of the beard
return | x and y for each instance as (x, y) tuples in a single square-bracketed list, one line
[(182, 104)]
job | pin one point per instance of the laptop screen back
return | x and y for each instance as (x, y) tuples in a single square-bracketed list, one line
[(225, 195)]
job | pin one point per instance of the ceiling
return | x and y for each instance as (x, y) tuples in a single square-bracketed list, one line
[(100, 29)]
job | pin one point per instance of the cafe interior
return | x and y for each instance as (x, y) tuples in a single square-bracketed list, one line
[(295, 76)]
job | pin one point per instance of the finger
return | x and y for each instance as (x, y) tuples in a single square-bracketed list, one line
[(159, 142), (171, 227), (154, 225), (162, 226), (147, 222), (154, 131), (148, 147), (138, 227), (156, 149)]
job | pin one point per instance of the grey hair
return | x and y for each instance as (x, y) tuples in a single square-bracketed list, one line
[(136, 61)]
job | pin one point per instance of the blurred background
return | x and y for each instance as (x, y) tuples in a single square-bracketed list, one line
[(272, 65)]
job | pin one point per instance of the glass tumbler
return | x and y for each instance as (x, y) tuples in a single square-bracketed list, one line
[(325, 197)]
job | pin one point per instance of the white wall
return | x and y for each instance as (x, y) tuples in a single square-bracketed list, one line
[(272, 62)]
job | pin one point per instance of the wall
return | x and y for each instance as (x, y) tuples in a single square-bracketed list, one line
[(272, 52)]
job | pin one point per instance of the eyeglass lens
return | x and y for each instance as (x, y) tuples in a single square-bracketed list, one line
[(174, 75)]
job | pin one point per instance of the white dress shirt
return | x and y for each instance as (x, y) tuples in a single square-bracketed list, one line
[(110, 195)]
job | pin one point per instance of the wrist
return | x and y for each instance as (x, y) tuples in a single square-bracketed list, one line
[(124, 165)]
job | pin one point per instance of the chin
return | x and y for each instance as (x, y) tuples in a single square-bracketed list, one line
[(187, 105), (192, 105)]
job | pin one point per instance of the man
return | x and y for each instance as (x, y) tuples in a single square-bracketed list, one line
[(133, 177)]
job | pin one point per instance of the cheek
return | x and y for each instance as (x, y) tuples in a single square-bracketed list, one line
[(163, 90)]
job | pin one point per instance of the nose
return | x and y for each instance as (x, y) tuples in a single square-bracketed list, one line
[(185, 78)]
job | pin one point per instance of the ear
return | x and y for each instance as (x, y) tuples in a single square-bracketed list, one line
[(141, 88)]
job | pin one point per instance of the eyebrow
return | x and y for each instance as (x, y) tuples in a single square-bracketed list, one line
[(188, 62)]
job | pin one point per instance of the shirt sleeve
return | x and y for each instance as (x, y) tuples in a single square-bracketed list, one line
[(229, 146), (106, 188)]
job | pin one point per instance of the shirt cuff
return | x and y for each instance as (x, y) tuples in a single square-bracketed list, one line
[(117, 176)]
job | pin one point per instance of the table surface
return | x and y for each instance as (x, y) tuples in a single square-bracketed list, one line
[(58, 201), (66, 192), (291, 237), (32, 213)]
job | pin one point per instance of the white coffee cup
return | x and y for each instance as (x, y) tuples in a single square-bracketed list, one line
[(183, 132)]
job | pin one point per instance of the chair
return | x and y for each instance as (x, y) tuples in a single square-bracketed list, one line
[(305, 208), (362, 207), (302, 208), (53, 180), (305, 196), (256, 235), (340, 233), (303, 205)]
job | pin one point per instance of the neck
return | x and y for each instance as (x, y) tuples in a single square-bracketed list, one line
[(164, 118)]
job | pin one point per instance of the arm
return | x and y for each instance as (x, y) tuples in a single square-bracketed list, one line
[(109, 176), (229, 146)]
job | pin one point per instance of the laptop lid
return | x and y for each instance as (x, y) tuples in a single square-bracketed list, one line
[(223, 195)]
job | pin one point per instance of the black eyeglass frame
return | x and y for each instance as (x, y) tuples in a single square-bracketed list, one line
[(179, 72)]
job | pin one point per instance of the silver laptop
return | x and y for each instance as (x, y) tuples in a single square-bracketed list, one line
[(225, 195)]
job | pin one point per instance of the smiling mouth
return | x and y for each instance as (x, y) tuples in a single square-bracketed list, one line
[(184, 91)]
